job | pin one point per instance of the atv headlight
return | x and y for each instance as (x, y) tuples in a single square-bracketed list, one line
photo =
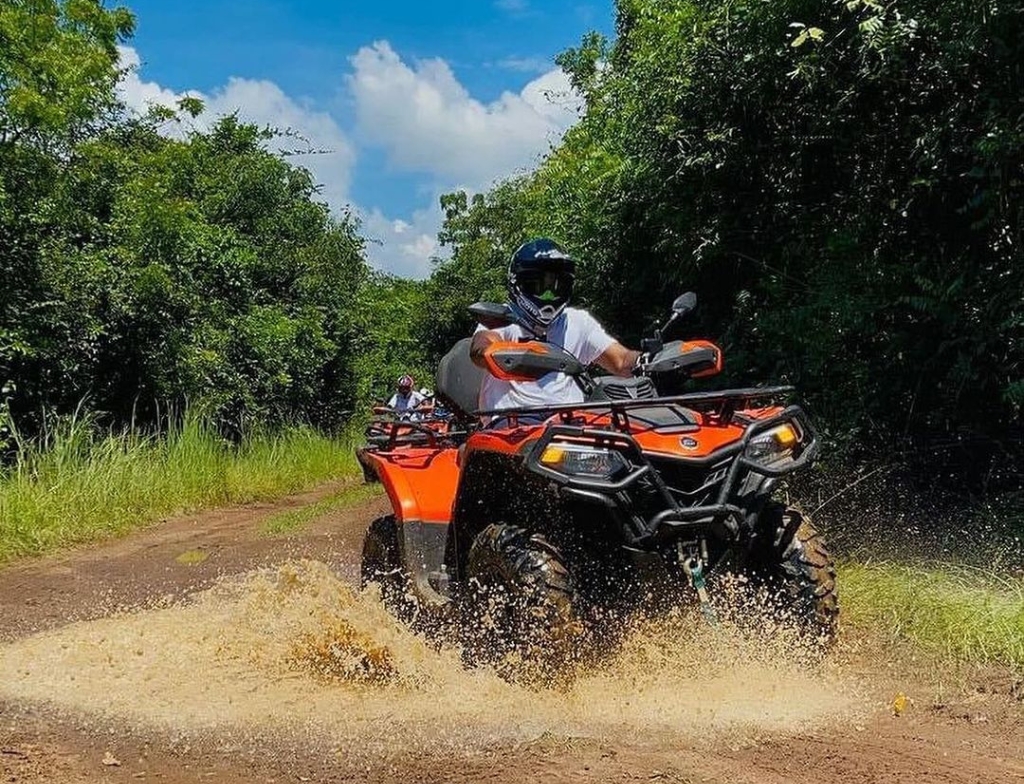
[(773, 445), (580, 460)]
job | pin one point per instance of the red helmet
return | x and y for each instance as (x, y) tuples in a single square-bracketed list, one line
[(405, 383)]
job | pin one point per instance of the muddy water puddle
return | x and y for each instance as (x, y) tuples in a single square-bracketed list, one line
[(294, 650)]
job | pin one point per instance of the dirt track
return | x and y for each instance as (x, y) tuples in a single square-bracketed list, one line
[(191, 689)]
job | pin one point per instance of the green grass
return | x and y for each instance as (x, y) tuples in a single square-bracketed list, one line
[(964, 613), (77, 485), (293, 519)]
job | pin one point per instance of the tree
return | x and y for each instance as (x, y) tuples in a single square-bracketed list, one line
[(58, 68), (841, 182)]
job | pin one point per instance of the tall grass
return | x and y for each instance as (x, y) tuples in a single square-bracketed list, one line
[(76, 484), (966, 613)]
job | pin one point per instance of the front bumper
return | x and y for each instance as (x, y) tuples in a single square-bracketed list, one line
[(674, 519)]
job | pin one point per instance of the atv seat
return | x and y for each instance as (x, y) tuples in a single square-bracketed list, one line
[(458, 380)]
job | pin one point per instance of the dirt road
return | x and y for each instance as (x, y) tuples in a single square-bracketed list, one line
[(194, 651)]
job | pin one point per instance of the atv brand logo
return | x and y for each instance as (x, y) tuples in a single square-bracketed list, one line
[(688, 443)]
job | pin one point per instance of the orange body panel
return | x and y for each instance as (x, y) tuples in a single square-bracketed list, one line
[(421, 483), (503, 441), (761, 413), (708, 440), (709, 437)]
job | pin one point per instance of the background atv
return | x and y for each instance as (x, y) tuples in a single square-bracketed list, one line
[(389, 430), (545, 514)]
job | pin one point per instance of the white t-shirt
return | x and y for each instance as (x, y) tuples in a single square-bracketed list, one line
[(402, 403), (577, 332)]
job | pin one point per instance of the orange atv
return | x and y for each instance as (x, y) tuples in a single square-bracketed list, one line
[(389, 429), (531, 524)]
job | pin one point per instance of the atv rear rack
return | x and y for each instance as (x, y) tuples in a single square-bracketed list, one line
[(413, 432)]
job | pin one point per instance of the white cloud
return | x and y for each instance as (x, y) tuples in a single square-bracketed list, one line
[(424, 119), (403, 247), (552, 97), (513, 6), (262, 103), (428, 122), (135, 93)]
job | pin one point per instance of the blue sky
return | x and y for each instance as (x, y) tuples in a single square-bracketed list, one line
[(412, 98)]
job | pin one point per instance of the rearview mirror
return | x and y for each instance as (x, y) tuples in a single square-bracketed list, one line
[(684, 303), (492, 315)]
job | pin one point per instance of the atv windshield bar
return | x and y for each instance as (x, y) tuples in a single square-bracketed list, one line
[(727, 397)]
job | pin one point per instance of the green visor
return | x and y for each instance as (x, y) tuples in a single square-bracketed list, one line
[(545, 287)]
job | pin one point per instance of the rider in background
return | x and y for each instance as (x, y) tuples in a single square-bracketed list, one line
[(406, 399), (540, 281)]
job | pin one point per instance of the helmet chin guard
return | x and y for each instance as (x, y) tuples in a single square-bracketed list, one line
[(536, 323)]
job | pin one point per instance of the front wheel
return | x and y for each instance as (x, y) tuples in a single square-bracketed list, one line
[(521, 616), (794, 561)]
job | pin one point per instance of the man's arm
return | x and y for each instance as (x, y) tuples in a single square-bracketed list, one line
[(481, 340), (618, 360)]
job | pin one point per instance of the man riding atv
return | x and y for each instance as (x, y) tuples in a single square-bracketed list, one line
[(540, 280), (408, 418), (406, 400), (561, 494)]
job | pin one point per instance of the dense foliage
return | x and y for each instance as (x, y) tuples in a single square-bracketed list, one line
[(141, 271), (842, 182)]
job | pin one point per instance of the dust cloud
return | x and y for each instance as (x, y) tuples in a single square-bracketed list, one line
[(295, 651)]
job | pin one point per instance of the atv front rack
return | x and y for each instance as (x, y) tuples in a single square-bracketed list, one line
[(613, 494), (729, 400)]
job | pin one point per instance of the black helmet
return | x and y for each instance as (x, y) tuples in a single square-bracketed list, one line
[(540, 278)]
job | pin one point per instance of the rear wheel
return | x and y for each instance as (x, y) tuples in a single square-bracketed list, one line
[(797, 564), (522, 618), (381, 564)]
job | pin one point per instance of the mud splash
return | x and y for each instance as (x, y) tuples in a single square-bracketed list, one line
[(295, 650)]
